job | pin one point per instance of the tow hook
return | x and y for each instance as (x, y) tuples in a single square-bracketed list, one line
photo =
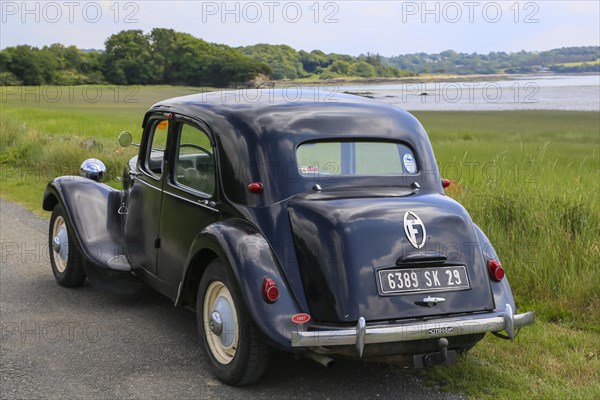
[(438, 358), (443, 345)]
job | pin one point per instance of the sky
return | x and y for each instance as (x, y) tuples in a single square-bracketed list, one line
[(349, 27)]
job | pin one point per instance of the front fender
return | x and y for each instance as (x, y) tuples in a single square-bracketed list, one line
[(501, 290), (249, 256), (91, 210)]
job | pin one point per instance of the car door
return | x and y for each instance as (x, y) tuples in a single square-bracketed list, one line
[(144, 197), (190, 197)]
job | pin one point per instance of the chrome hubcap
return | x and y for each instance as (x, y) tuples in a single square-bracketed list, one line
[(60, 244), (221, 328), (56, 244), (216, 323)]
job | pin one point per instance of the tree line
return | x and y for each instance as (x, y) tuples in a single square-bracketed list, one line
[(451, 62), (165, 56), (131, 57)]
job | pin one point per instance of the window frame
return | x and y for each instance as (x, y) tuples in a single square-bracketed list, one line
[(177, 127), (352, 141), (146, 151)]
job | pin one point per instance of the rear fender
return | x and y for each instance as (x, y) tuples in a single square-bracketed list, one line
[(91, 209), (501, 290), (248, 254)]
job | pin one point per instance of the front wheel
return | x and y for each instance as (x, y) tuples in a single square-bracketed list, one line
[(65, 258), (236, 351)]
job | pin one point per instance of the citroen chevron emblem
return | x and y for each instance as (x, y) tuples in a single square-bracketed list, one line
[(411, 222)]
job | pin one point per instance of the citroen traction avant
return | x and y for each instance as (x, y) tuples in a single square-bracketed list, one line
[(315, 227)]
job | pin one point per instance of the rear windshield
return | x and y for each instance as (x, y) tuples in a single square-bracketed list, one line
[(355, 158)]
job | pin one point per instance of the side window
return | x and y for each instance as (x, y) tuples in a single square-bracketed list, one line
[(195, 163), (157, 143)]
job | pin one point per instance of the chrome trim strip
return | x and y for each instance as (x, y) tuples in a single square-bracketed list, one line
[(443, 327), (432, 301), (197, 202)]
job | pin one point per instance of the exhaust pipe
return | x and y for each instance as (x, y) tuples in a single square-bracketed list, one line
[(321, 359)]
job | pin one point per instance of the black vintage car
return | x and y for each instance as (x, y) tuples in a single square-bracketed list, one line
[(316, 224)]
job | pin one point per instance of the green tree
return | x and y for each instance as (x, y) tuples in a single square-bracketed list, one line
[(26, 64), (362, 69), (340, 67), (284, 61), (313, 60), (128, 59), (180, 58)]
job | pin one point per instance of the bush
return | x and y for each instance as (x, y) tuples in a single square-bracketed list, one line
[(8, 79)]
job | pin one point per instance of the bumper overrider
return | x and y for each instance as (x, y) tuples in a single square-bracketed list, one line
[(435, 328)]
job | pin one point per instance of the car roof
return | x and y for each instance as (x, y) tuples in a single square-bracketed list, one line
[(257, 132), (291, 110), (242, 99)]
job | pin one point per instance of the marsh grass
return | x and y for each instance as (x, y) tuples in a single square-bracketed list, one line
[(546, 361), (530, 179)]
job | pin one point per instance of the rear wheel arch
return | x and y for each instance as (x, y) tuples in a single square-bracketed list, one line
[(196, 268), (246, 253)]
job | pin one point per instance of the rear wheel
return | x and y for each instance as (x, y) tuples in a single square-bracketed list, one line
[(65, 258), (236, 351)]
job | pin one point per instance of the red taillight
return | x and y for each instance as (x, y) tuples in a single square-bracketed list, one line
[(255, 187), (496, 270), (445, 183), (270, 290)]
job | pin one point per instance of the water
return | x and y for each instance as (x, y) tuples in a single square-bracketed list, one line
[(550, 92)]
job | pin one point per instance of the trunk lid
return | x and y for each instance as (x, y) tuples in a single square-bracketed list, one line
[(345, 243)]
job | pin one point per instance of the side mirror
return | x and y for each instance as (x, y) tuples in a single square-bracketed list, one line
[(93, 168), (125, 139)]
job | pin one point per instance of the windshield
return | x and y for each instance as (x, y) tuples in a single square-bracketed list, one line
[(355, 158)]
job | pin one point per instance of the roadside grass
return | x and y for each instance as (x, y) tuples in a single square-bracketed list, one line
[(530, 179)]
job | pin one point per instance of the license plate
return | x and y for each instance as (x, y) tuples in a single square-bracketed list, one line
[(393, 281)]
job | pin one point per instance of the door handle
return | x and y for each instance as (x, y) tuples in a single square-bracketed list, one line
[(208, 203)]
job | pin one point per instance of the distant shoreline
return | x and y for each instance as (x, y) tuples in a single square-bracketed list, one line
[(411, 79)]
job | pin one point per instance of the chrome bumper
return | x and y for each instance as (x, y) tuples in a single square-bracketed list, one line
[(435, 328)]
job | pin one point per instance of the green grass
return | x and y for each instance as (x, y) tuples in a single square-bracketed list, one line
[(530, 179), (46, 133), (579, 64)]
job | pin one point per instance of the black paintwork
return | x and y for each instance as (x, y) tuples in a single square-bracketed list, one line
[(322, 248), (342, 242), (91, 209)]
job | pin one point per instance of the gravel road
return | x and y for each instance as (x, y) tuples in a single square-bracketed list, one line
[(60, 343)]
